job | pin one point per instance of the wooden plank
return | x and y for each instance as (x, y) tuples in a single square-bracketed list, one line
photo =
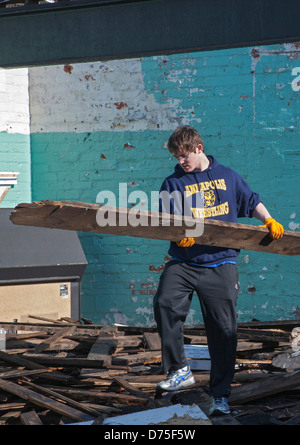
[(201, 378), (30, 418), (12, 406), (135, 392), (39, 399), (27, 363), (79, 216), (54, 338), (70, 402), (103, 396), (142, 357), (101, 350), (244, 346), (50, 320), (9, 416), (17, 373), (66, 361), (102, 347), (264, 388), (264, 335), (270, 324), (152, 340)]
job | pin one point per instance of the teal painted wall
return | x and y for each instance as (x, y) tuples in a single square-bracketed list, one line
[(15, 157), (245, 105)]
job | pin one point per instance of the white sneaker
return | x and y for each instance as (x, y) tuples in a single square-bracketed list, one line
[(177, 379), (219, 406)]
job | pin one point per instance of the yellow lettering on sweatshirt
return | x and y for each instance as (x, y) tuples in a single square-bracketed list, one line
[(210, 212), (205, 186)]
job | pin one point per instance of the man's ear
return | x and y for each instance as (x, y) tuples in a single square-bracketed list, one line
[(199, 148)]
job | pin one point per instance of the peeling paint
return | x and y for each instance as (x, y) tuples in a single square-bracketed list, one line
[(251, 289), (68, 69), (120, 105), (157, 269), (247, 259), (290, 50), (129, 146), (294, 226)]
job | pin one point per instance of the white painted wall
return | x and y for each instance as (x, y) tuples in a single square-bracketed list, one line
[(100, 96), (14, 101)]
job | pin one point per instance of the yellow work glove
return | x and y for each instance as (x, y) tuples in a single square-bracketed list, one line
[(276, 229), (186, 242)]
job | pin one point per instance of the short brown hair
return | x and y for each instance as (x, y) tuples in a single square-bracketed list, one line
[(184, 138)]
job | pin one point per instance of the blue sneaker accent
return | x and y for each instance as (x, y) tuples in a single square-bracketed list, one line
[(177, 380), (219, 406)]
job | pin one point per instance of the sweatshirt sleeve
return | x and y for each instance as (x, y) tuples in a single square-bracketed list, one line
[(247, 200), (170, 200)]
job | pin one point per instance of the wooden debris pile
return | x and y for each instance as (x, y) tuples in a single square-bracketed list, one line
[(62, 372)]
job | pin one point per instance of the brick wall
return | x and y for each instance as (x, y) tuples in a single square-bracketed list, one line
[(96, 125), (14, 133)]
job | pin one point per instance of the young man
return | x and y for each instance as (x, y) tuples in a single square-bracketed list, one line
[(210, 271)]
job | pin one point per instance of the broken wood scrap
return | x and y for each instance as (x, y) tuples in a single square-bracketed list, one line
[(38, 399), (12, 406), (65, 399), (30, 418), (267, 335), (10, 416), (103, 347), (27, 363), (252, 363), (16, 344), (257, 417), (263, 388), (251, 346), (250, 375), (152, 340), (17, 373), (142, 357), (50, 320), (102, 396), (54, 338), (270, 324), (126, 380), (151, 403), (274, 412), (195, 339), (201, 378), (56, 361)]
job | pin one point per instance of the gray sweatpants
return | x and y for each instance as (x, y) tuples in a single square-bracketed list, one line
[(217, 290)]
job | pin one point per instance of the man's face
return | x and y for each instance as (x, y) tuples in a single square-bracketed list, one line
[(189, 161)]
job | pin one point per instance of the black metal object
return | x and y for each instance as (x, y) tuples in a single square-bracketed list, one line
[(77, 31), (39, 255)]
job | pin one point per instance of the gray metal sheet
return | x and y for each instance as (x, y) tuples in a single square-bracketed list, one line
[(33, 253)]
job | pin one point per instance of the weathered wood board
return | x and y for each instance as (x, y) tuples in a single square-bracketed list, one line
[(83, 217)]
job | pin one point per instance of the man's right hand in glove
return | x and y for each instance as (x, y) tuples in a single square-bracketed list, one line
[(186, 242), (276, 230)]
